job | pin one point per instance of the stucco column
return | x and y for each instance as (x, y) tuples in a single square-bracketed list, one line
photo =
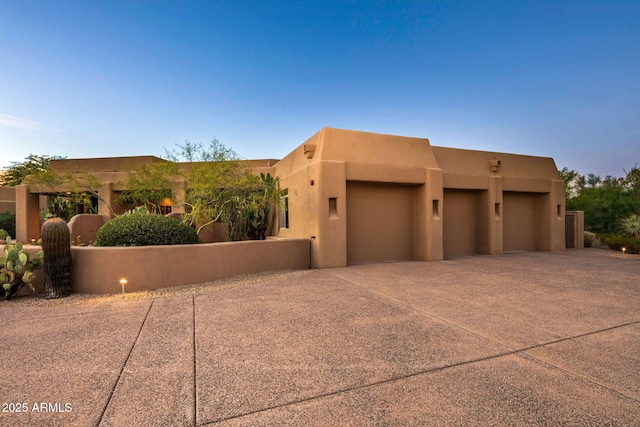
[(27, 215), (428, 243), (551, 221), (490, 223), (106, 193), (329, 195), (179, 189)]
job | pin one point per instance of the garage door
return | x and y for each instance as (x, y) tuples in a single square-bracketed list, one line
[(379, 222), (459, 222), (519, 222)]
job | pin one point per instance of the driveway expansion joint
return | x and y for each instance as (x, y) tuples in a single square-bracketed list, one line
[(195, 360), (364, 386), (124, 365), (576, 374)]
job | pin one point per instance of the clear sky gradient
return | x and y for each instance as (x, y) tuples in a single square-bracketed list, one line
[(555, 78)]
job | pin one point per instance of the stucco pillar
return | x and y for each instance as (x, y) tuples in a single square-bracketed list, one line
[(179, 189), (328, 193), (428, 238), (104, 210), (551, 221), (490, 223), (27, 215)]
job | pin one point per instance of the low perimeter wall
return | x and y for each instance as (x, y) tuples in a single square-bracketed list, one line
[(98, 270)]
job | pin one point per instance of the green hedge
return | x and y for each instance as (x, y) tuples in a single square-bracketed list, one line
[(617, 242), (145, 230), (8, 223)]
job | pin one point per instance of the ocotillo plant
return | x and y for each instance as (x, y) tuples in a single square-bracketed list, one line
[(56, 244)]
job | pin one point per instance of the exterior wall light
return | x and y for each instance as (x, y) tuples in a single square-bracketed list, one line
[(309, 150), (495, 165), (123, 282)]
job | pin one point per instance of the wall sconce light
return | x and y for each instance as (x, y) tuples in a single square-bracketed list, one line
[(309, 150), (123, 282), (495, 165)]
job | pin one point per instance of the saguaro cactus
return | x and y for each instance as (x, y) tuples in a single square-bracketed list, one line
[(56, 244)]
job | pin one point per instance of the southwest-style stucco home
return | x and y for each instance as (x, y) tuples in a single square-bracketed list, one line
[(363, 197)]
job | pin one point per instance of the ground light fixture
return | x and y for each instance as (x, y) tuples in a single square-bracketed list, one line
[(123, 282), (624, 250)]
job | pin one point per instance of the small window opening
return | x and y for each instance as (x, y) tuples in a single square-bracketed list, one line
[(436, 209), (497, 210), (333, 208), (284, 209)]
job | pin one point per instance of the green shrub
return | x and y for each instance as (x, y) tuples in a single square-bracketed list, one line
[(617, 242), (145, 230), (3, 234), (8, 223)]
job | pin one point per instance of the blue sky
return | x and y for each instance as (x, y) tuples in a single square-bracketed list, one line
[(119, 78)]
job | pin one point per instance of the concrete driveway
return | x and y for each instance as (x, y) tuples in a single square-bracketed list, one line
[(518, 339)]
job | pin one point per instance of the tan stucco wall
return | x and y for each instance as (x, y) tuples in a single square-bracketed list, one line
[(85, 227), (101, 164), (99, 269), (320, 168), (480, 170), (8, 200)]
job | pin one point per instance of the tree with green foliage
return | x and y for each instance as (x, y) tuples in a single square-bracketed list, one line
[(149, 185), (573, 182), (212, 173), (80, 187), (18, 171), (607, 202), (219, 187), (246, 215)]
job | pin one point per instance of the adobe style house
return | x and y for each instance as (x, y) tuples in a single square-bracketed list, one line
[(363, 197)]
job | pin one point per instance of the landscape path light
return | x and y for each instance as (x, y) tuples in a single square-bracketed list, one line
[(123, 282), (624, 250)]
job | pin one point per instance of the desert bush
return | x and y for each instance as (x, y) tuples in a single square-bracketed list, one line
[(145, 230), (8, 223), (617, 242), (591, 241), (3, 234), (630, 226)]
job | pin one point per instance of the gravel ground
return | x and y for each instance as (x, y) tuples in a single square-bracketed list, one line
[(37, 300)]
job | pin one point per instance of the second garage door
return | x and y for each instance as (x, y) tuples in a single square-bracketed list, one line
[(519, 223), (459, 222), (379, 222)]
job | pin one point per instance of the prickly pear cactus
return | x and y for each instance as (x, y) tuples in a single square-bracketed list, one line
[(17, 268), (56, 244)]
